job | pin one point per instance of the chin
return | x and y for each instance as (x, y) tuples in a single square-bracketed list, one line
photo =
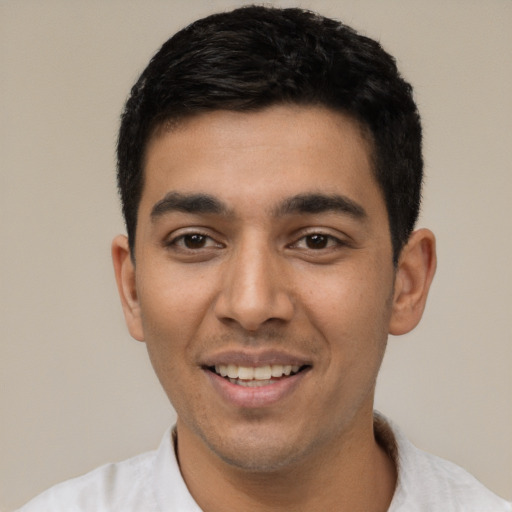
[(260, 461), (260, 451)]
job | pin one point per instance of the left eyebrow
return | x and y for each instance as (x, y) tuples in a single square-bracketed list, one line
[(188, 203), (321, 203)]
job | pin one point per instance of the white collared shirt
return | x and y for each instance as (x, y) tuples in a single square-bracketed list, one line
[(152, 482)]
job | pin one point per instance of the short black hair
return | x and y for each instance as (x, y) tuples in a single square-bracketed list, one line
[(255, 57)]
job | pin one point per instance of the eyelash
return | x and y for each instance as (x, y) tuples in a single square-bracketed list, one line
[(180, 241), (330, 241), (324, 240)]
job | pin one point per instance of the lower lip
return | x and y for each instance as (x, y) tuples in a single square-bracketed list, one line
[(258, 396)]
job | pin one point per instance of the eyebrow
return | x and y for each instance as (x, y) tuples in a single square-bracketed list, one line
[(188, 203), (321, 203), (309, 204)]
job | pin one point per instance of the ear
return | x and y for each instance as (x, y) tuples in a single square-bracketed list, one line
[(124, 269), (416, 269)]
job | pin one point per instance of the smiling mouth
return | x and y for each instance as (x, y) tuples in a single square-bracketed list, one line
[(256, 376)]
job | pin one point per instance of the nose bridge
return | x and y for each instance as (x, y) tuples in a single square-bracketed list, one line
[(253, 285)]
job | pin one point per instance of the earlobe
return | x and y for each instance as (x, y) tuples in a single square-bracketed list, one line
[(416, 269), (124, 269)]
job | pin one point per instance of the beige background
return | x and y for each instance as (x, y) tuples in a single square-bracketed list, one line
[(76, 391)]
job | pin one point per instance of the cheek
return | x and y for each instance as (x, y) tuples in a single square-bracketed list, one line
[(167, 320), (349, 305), (174, 304), (172, 301)]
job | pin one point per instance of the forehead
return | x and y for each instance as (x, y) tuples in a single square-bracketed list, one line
[(254, 159)]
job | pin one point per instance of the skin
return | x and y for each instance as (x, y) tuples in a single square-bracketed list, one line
[(260, 278)]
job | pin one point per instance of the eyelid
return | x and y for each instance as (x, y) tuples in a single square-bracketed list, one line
[(332, 242), (179, 235), (339, 239)]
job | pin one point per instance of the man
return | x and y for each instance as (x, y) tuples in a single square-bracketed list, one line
[(270, 168)]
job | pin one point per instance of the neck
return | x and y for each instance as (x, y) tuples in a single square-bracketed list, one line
[(354, 475)]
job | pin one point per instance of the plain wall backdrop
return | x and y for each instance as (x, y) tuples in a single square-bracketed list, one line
[(77, 391)]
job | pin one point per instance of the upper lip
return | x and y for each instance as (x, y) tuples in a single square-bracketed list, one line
[(254, 358)]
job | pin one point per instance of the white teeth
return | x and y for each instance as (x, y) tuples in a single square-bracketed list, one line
[(232, 371), (277, 370), (260, 373), (221, 370), (245, 373)]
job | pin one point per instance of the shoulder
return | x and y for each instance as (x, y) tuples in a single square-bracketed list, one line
[(116, 486), (429, 483), (447, 486), (150, 482)]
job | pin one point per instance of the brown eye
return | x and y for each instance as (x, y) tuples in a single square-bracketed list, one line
[(194, 241), (316, 241)]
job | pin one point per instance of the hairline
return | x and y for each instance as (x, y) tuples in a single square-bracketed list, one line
[(161, 125)]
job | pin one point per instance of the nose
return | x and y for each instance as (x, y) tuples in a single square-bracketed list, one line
[(254, 289)]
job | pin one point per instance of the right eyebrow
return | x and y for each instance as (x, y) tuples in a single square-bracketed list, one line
[(314, 203), (188, 203)]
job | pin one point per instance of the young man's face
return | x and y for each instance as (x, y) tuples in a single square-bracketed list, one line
[(263, 247)]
